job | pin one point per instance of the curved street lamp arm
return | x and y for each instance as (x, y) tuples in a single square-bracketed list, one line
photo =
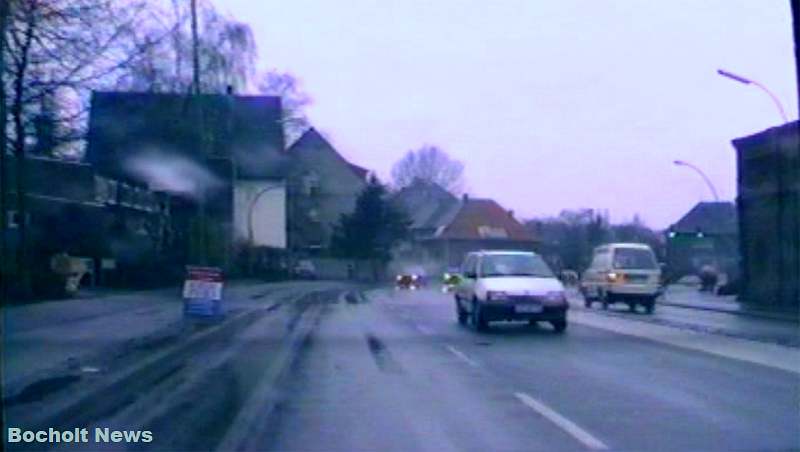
[(703, 175), (774, 99)]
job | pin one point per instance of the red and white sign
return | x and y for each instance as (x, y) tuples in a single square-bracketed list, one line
[(202, 290)]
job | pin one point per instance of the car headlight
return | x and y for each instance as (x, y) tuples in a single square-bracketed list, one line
[(494, 295), (555, 297), (414, 277), (399, 278)]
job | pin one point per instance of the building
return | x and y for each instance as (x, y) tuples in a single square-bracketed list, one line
[(445, 228), (706, 235), (768, 203), (323, 186), (112, 224), (220, 156)]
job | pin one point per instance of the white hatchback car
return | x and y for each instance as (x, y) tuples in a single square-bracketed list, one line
[(509, 285), (624, 273)]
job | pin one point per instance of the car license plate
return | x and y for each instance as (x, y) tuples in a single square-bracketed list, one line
[(528, 308)]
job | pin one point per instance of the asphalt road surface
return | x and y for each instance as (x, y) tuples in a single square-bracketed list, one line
[(395, 372)]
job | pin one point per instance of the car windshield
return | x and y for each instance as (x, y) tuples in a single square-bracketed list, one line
[(514, 265), (634, 258)]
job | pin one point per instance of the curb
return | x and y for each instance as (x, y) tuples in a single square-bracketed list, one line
[(756, 314)]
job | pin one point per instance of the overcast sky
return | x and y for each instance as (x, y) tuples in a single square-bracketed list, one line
[(551, 105)]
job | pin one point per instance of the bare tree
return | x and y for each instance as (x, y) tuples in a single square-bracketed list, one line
[(293, 101), (55, 52), (226, 52), (431, 164)]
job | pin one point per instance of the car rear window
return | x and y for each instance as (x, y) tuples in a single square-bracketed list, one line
[(634, 258)]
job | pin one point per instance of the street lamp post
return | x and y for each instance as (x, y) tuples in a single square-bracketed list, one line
[(702, 174), (747, 81)]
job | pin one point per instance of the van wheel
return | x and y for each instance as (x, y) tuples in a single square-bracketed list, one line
[(632, 307), (650, 306), (559, 325), (604, 300)]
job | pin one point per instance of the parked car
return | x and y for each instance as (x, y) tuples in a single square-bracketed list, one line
[(304, 269), (509, 285), (622, 273)]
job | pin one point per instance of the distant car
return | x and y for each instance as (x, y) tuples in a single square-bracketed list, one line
[(509, 285), (410, 281), (622, 273), (305, 269)]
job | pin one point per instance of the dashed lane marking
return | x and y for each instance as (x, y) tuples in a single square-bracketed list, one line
[(460, 355), (586, 438)]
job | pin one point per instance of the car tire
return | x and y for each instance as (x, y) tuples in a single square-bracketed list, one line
[(604, 300), (461, 313), (632, 306), (559, 325), (650, 306), (478, 320), (587, 303)]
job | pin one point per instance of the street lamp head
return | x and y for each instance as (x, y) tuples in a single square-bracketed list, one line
[(679, 162), (734, 77)]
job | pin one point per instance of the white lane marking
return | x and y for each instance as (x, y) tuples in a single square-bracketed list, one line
[(461, 355), (568, 426)]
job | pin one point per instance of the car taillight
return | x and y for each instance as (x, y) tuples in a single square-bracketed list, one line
[(614, 277)]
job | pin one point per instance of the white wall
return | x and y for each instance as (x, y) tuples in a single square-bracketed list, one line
[(269, 212)]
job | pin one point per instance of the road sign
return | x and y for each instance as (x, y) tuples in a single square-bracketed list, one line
[(202, 292)]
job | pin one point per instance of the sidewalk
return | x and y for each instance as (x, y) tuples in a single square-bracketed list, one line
[(686, 296), (49, 339)]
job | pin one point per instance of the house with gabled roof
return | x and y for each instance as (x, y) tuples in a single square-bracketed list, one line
[(323, 186), (445, 228)]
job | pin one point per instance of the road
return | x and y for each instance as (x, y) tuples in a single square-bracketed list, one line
[(398, 373), (336, 367)]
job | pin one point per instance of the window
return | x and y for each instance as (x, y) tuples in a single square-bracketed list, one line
[(625, 258), (514, 265)]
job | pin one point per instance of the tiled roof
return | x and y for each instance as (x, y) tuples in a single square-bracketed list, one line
[(481, 219), (428, 205), (312, 139), (709, 218)]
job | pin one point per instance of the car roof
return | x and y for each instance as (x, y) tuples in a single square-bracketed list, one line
[(502, 252), (642, 246)]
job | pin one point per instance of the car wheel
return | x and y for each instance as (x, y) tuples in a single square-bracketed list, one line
[(604, 299), (632, 307), (461, 313), (587, 303), (478, 320), (559, 325), (650, 306), (532, 322)]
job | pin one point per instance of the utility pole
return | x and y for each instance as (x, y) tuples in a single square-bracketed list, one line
[(202, 227)]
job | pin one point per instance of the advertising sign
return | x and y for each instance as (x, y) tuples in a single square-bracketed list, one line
[(202, 292)]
